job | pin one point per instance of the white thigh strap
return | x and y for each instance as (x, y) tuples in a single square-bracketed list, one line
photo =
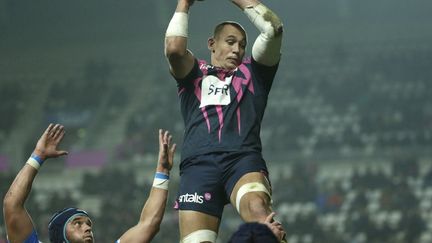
[(250, 187), (200, 236)]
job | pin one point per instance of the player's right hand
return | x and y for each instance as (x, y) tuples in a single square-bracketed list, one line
[(166, 151), (275, 227), (46, 146)]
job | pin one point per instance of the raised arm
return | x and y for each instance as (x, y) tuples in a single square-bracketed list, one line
[(154, 208), (180, 59), (18, 222), (267, 46)]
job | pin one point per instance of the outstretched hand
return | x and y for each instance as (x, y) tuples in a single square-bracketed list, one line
[(46, 146), (275, 226), (166, 151)]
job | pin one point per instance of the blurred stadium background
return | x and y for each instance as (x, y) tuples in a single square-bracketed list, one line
[(347, 133)]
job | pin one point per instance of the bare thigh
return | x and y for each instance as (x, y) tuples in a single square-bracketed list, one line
[(191, 221)]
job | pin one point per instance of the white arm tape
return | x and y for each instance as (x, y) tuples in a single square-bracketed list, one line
[(161, 181), (266, 49), (33, 163), (250, 187), (178, 26)]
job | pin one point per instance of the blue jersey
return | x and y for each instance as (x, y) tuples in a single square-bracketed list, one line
[(32, 238), (223, 110)]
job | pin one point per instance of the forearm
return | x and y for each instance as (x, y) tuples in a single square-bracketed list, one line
[(154, 209), (267, 46), (22, 184), (17, 221), (177, 32), (20, 188), (179, 57), (150, 219), (183, 6)]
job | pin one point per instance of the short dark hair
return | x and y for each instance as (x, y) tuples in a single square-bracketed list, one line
[(221, 25)]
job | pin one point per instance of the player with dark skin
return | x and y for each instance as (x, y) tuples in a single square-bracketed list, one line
[(76, 224)]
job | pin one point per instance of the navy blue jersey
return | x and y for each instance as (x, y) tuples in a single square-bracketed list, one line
[(223, 110)]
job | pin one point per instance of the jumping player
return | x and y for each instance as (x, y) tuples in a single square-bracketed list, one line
[(72, 224), (223, 103)]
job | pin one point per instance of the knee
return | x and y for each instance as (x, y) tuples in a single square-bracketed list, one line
[(253, 202), (257, 205)]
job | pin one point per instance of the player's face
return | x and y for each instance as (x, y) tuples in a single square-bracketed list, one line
[(79, 230), (228, 48)]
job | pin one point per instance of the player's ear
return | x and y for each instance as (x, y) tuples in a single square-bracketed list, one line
[(210, 44)]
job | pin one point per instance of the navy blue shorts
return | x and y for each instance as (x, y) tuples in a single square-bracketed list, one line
[(206, 181)]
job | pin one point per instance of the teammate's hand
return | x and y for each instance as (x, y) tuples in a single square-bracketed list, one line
[(166, 152), (275, 226), (46, 146)]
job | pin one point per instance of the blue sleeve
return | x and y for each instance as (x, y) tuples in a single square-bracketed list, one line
[(33, 238)]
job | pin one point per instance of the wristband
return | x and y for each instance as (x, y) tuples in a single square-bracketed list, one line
[(35, 161), (161, 180)]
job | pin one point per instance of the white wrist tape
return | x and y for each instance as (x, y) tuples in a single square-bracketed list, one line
[(35, 161), (161, 181), (178, 26)]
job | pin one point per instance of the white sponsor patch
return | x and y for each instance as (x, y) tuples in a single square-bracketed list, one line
[(215, 91), (191, 198)]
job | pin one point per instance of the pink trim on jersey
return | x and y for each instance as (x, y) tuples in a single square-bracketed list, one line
[(197, 81), (205, 114), (181, 91), (198, 91), (221, 122), (237, 82), (248, 78), (238, 120)]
